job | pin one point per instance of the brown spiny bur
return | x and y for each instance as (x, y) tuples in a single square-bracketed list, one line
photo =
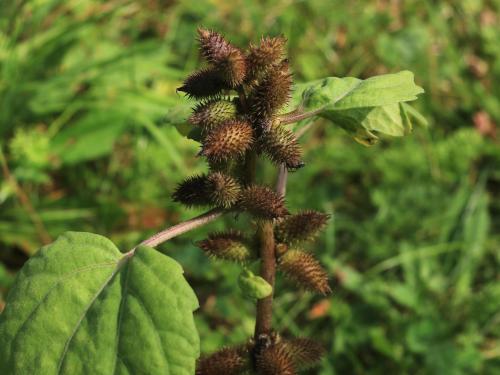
[(227, 59), (262, 202), (269, 52), (305, 271), (229, 140), (231, 245), (305, 352), (227, 361), (192, 192), (281, 146), (223, 190), (272, 92), (213, 112), (300, 227), (203, 83), (275, 360)]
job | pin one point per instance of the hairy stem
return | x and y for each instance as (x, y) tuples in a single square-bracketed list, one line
[(282, 179), (181, 228), (263, 322), (297, 115)]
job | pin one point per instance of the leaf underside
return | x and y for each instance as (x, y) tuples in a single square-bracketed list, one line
[(364, 108), (80, 306)]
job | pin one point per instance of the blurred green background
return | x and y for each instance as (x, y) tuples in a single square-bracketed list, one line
[(87, 98)]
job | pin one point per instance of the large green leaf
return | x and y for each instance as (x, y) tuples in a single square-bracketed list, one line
[(80, 306), (364, 108)]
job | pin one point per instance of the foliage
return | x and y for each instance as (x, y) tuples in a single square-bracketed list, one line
[(105, 312)]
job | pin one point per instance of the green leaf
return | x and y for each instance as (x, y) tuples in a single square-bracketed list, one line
[(254, 287), (365, 108), (80, 306)]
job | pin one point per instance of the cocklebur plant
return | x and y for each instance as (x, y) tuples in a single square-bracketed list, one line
[(81, 306)]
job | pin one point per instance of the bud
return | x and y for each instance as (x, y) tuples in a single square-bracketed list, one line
[(305, 270), (272, 92), (212, 113), (192, 192), (305, 352), (203, 83), (300, 227), (227, 141), (275, 360), (231, 245), (262, 202), (215, 189), (281, 146), (227, 59), (254, 287), (223, 190), (270, 52), (227, 361)]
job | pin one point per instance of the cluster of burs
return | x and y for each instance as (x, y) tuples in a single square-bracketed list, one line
[(241, 96)]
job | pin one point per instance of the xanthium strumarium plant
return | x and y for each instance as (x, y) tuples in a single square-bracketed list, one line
[(81, 306)]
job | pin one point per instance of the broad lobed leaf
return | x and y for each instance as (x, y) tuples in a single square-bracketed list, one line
[(364, 108), (80, 306)]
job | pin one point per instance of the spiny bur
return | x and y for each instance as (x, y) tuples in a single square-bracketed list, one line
[(269, 52), (204, 83), (222, 189), (229, 140), (229, 60), (302, 226), (280, 145), (305, 352), (191, 192), (227, 361), (216, 189), (272, 92), (240, 95), (275, 360), (262, 202), (231, 245), (305, 271), (213, 112)]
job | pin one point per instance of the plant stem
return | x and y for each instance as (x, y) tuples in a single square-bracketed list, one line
[(295, 116), (181, 228), (263, 322), (282, 179)]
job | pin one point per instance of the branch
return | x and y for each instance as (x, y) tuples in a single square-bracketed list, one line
[(181, 228), (282, 180), (297, 115)]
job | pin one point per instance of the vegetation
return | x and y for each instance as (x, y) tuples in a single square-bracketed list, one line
[(88, 102)]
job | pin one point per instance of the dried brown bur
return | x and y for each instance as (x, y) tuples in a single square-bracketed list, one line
[(305, 271), (269, 52), (262, 202), (303, 226), (216, 189), (230, 140), (204, 83), (229, 61), (280, 145), (231, 245), (272, 92), (227, 361)]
